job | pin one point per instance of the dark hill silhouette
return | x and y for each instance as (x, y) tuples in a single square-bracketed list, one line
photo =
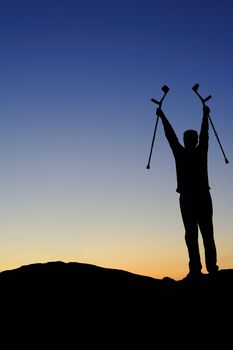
[(79, 298)]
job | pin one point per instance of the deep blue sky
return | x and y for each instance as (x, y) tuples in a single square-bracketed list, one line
[(77, 122)]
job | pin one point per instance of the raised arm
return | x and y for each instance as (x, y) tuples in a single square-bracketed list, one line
[(204, 132), (168, 129)]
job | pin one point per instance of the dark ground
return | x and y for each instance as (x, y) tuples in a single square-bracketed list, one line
[(82, 306)]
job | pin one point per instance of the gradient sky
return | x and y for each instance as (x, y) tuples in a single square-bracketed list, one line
[(77, 124)]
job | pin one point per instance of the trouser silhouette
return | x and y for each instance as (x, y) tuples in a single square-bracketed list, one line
[(197, 213)]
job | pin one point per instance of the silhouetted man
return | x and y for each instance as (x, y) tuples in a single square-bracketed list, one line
[(193, 186)]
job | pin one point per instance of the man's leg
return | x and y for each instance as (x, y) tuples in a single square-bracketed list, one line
[(207, 231), (188, 212)]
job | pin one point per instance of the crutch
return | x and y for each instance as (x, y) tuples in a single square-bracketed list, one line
[(203, 100), (165, 89)]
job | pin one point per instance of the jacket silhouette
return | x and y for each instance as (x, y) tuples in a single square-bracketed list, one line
[(191, 160)]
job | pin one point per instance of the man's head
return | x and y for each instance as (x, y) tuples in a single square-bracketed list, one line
[(190, 138)]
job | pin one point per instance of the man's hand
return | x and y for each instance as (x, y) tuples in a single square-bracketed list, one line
[(206, 110), (160, 113)]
